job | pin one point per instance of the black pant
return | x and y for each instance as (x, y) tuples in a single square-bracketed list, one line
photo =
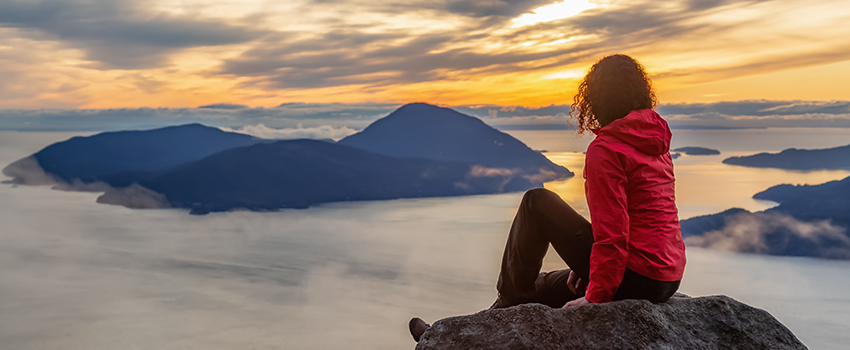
[(543, 218)]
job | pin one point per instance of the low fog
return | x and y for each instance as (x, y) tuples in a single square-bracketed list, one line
[(774, 233), (300, 132), (80, 275)]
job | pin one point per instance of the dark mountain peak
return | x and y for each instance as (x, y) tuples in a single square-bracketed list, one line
[(419, 114), (427, 131), (423, 107), (196, 127), (91, 158)]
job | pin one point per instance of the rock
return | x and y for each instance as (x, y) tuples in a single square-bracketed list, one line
[(715, 322)]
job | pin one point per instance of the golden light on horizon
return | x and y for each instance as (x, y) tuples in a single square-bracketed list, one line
[(185, 53)]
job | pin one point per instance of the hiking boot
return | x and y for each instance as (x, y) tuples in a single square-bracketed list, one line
[(498, 304), (502, 303), (417, 328)]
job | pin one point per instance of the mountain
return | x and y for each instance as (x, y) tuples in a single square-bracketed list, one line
[(797, 159), (301, 173), (811, 220), (124, 157), (696, 151), (417, 151), (427, 131), (829, 200), (699, 225)]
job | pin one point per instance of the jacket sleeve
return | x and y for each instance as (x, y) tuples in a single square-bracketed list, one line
[(605, 189)]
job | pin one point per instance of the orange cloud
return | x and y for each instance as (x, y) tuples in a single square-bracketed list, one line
[(122, 53)]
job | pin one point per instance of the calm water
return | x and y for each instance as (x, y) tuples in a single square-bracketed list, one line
[(79, 275)]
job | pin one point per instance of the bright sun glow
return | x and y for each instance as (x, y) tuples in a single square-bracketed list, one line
[(564, 9)]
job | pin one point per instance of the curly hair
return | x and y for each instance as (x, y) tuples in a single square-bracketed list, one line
[(614, 86)]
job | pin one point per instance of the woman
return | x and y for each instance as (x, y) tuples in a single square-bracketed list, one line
[(633, 249)]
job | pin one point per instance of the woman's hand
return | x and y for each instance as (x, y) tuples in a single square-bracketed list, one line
[(576, 285), (578, 302)]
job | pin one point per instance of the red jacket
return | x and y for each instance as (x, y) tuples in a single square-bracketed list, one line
[(630, 193)]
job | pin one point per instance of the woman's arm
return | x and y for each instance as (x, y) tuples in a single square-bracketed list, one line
[(605, 188)]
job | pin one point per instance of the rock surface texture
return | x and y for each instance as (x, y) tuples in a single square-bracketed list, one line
[(715, 322)]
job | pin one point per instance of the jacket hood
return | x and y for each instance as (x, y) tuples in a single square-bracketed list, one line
[(642, 129)]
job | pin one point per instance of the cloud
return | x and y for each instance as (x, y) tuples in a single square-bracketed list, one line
[(225, 106), (135, 197), (759, 113), (288, 115), (333, 120), (27, 171), (482, 171), (481, 43), (376, 60), (773, 233), (119, 33), (366, 55), (300, 132), (759, 108), (485, 8), (146, 52)]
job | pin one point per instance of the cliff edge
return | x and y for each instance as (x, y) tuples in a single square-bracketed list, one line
[(714, 322)]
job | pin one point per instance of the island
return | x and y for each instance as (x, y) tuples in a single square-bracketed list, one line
[(810, 220), (696, 151), (123, 157), (797, 159), (301, 173), (427, 131), (419, 150)]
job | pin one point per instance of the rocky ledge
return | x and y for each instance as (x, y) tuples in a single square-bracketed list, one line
[(715, 322)]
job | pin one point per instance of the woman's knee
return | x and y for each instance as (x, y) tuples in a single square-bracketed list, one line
[(535, 195)]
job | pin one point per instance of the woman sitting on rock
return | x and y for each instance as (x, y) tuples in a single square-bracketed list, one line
[(633, 248)]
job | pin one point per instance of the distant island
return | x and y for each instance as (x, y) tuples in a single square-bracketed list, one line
[(419, 150), (696, 151), (797, 159), (426, 131), (811, 220), (829, 200), (301, 173), (123, 157)]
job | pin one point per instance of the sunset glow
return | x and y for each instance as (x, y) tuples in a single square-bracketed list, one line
[(564, 9), (171, 53)]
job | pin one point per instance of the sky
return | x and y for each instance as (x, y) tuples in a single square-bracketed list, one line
[(112, 54)]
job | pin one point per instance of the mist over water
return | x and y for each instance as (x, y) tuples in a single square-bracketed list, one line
[(80, 275)]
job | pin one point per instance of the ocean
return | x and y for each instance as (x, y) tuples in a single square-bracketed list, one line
[(75, 274)]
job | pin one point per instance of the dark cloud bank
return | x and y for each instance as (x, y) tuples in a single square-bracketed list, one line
[(118, 34), (739, 114)]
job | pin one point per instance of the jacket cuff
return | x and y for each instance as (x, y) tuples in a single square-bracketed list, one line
[(596, 297)]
